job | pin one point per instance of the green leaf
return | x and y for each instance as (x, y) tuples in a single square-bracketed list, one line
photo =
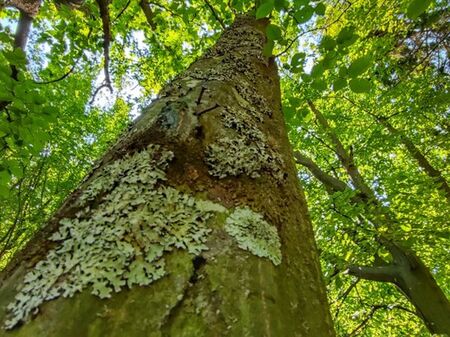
[(303, 15), (264, 10), (268, 48), (280, 5), (343, 72), (359, 66), (319, 84), (339, 84), (297, 58), (5, 177), (15, 168), (416, 8), (317, 70), (346, 36), (16, 57), (360, 85), (273, 32), (405, 227), (5, 69), (327, 43), (6, 96), (329, 60), (320, 9), (37, 98)]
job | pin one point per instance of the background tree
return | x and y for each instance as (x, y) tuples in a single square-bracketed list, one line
[(367, 145)]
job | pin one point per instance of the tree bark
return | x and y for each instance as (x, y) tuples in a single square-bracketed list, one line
[(194, 218)]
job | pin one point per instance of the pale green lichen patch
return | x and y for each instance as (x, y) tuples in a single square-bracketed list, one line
[(254, 234), (121, 241), (247, 152)]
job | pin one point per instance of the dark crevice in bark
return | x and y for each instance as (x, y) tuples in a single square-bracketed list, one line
[(198, 262), (199, 113)]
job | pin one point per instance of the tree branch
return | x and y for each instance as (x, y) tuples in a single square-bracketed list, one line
[(148, 12), (331, 183), (380, 273), (345, 157), (366, 320), (122, 11), (104, 13), (23, 30), (422, 161), (432, 172)]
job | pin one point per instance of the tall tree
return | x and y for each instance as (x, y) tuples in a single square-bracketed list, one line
[(192, 224)]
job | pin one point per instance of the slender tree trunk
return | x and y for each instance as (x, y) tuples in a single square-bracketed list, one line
[(407, 271), (415, 281), (193, 224), (418, 285)]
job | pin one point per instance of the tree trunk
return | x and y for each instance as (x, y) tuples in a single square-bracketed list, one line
[(418, 285), (193, 224), (414, 280)]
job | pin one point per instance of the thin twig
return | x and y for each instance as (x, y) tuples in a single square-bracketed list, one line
[(312, 30), (122, 11), (216, 16)]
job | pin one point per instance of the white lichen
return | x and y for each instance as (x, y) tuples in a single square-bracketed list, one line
[(254, 234), (121, 241)]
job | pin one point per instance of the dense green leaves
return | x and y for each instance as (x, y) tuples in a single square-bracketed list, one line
[(359, 85), (304, 14)]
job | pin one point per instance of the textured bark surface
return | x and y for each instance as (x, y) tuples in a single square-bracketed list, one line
[(222, 121)]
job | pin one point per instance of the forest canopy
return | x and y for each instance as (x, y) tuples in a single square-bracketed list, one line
[(365, 95)]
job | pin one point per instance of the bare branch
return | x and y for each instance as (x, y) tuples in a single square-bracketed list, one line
[(285, 50), (70, 71), (103, 85), (331, 183), (104, 13), (380, 273), (344, 296), (122, 11), (148, 12), (366, 320), (23, 31)]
